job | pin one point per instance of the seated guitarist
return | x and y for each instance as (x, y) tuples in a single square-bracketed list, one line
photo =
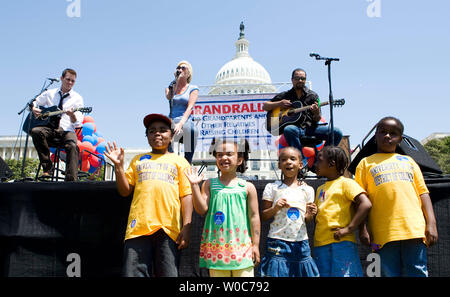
[(307, 125), (60, 130)]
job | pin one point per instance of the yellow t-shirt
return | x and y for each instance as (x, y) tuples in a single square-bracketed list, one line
[(394, 184), (159, 183), (334, 209)]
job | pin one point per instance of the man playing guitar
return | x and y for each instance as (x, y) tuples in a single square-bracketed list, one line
[(60, 130), (307, 123)]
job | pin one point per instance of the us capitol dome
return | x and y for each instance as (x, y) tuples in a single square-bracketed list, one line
[(242, 75)]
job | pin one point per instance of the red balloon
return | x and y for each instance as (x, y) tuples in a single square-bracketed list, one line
[(308, 152), (94, 161), (84, 148), (88, 119), (85, 165), (282, 141), (100, 139), (310, 162)]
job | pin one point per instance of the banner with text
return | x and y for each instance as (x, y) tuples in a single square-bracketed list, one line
[(233, 116)]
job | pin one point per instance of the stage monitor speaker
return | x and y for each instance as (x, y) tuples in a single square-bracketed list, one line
[(5, 172), (409, 146)]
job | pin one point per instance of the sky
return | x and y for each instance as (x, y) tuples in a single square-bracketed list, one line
[(393, 56)]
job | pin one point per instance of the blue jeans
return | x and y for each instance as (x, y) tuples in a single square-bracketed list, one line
[(338, 259), (404, 258), (151, 255), (190, 134), (288, 259), (293, 133)]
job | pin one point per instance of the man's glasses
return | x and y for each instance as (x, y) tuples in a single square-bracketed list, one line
[(182, 67), (297, 78)]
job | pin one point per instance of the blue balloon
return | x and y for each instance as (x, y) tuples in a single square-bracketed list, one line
[(98, 134), (88, 129), (101, 147), (92, 169), (90, 139)]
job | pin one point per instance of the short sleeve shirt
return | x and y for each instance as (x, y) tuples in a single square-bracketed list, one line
[(159, 183), (334, 209), (289, 222)]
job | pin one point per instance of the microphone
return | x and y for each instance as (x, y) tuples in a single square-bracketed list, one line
[(172, 83), (177, 73), (53, 79), (314, 55)]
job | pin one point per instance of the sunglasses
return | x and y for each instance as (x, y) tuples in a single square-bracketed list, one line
[(182, 67)]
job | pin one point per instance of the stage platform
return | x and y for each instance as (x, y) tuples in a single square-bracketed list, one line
[(42, 223)]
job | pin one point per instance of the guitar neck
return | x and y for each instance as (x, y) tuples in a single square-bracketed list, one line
[(300, 109), (58, 112)]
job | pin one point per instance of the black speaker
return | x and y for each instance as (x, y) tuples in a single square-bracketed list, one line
[(5, 172), (409, 146)]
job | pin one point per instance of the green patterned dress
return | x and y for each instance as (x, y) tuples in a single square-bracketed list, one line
[(226, 243)]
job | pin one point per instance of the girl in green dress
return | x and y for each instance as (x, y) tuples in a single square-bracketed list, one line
[(230, 239)]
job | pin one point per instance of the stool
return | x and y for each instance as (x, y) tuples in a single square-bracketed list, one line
[(55, 173)]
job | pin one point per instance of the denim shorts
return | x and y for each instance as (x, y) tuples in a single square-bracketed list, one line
[(404, 258), (339, 259), (288, 259)]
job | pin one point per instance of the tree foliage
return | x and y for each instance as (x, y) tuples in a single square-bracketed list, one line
[(439, 150), (31, 166)]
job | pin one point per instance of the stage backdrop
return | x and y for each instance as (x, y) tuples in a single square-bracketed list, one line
[(45, 226), (239, 116)]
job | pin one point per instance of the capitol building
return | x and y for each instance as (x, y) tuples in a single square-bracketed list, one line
[(242, 75)]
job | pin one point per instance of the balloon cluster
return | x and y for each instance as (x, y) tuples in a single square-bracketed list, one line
[(308, 152), (91, 145)]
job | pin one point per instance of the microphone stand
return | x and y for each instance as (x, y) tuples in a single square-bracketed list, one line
[(29, 106), (328, 63)]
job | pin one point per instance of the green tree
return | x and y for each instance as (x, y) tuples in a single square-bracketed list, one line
[(31, 166), (439, 150)]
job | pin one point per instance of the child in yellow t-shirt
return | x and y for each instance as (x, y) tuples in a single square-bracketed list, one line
[(335, 248), (402, 216), (161, 193)]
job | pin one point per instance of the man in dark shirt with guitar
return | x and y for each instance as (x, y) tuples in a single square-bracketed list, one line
[(296, 113), (59, 131)]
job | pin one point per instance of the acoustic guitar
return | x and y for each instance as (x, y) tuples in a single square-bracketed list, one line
[(45, 118), (278, 118)]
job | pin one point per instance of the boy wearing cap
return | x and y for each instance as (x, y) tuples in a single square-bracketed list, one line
[(162, 193)]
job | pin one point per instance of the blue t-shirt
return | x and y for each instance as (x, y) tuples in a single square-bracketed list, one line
[(180, 101)]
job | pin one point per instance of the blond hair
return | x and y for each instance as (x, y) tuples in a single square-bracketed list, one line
[(189, 66)]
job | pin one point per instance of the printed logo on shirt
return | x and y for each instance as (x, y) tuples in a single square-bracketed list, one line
[(219, 218), (402, 158), (293, 213), (145, 157), (133, 223), (156, 171), (322, 196)]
